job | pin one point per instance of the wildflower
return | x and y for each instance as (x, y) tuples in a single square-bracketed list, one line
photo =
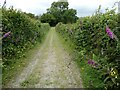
[(109, 32), (82, 68), (113, 72), (7, 34), (89, 61), (92, 62)]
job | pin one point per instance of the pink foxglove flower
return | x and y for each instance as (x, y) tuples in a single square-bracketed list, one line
[(7, 34), (110, 33)]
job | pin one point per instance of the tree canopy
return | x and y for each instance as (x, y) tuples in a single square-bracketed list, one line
[(59, 12)]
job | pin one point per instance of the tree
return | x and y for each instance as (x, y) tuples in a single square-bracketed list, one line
[(30, 15), (59, 12), (48, 18), (70, 16), (57, 9)]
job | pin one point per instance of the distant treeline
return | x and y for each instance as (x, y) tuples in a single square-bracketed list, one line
[(59, 12)]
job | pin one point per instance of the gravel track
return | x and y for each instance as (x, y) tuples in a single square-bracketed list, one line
[(49, 68)]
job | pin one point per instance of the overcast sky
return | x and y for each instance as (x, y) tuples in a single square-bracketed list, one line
[(83, 7)]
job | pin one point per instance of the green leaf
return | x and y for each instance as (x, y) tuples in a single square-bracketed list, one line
[(106, 79)]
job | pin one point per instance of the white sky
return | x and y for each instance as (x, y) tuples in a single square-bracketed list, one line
[(83, 7)]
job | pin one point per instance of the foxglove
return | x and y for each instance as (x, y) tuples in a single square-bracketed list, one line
[(7, 34)]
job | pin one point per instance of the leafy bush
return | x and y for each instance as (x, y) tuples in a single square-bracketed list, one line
[(97, 40), (20, 33)]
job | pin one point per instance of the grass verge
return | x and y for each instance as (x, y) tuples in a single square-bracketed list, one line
[(14, 69), (90, 76)]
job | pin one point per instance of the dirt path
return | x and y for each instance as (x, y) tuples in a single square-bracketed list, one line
[(49, 68)]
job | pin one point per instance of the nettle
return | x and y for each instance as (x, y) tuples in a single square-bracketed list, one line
[(98, 36)]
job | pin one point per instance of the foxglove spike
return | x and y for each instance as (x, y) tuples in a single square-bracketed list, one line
[(7, 34)]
